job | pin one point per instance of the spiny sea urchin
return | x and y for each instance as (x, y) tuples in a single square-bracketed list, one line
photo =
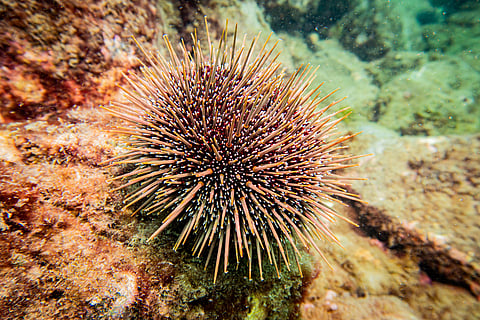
[(234, 150)]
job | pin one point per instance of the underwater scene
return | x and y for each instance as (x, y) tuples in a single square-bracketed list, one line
[(240, 159)]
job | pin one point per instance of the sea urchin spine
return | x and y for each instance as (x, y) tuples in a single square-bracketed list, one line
[(234, 150)]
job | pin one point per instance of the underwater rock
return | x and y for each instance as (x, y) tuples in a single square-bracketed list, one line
[(304, 17), (393, 64), (415, 255), (424, 200), (57, 55), (351, 308), (371, 30), (463, 29), (69, 250), (437, 98), (342, 69), (60, 255)]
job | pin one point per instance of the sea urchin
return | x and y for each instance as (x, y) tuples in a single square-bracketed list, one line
[(236, 151)]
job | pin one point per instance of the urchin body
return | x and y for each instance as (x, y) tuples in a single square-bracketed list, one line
[(241, 155)]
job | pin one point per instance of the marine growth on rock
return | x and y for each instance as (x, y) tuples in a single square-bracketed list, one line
[(242, 156)]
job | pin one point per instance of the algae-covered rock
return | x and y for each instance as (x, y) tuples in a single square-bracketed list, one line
[(56, 55), (423, 199), (438, 98), (394, 64), (372, 29), (351, 308), (415, 253), (69, 250), (302, 17), (343, 70)]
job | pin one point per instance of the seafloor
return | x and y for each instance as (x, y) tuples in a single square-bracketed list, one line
[(411, 71)]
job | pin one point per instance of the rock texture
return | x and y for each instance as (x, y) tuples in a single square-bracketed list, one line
[(425, 102), (429, 189), (55, 55), (415, 253), (69, 250)]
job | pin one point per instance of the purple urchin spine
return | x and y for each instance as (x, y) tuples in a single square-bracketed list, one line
[(239, 154)]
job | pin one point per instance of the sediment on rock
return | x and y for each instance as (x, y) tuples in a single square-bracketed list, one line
[(441, 263)]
